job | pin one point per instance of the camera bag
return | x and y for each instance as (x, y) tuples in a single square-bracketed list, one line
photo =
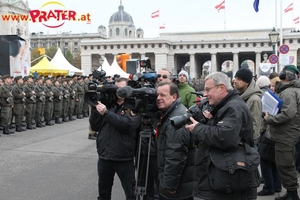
[(234, 170)]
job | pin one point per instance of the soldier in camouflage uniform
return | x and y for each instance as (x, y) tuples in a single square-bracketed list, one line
[(80, 96), (19, 103), (30, 102), (57, 103), (40, 102), (72, 99), (85, 108), (66, 100), (48, 109), (6, 103)]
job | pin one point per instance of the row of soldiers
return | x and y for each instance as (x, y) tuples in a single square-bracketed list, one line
[(41, 100)]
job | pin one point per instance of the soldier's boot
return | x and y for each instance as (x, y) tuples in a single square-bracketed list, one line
[(29, 126), (85, 114), (10, 132), (290, 195), (57, 121), (11, 126), (5, 132), (18, 128), (33, 124), (71, 118), (48, 123), (79, 116), (39, 124), (65, 119)]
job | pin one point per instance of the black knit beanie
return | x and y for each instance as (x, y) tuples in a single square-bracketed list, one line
[(244, 74)]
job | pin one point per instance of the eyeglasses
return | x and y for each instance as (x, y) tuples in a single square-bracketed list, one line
[(164, 76), (206, 90)]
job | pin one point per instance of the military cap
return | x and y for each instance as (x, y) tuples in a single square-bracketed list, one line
[(5, 77), (79, 77), (74, 76), (292, 68), (58, 76), (68, 76), (18, 78), (39, 78)]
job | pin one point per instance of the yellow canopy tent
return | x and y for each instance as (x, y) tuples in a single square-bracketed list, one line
[(44, 67)]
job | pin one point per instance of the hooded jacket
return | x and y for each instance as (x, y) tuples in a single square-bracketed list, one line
[(175, 156), (231, 124), (187, 99), (285, 126), (252, 97)]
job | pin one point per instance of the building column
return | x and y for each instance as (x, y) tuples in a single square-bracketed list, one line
[(171, 63), (86, 64), (160, 61), (257, 63), (236, 66), (193, 72), (143, 55), (213, 62)]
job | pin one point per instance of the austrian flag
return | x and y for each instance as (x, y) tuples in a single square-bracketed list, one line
[(296, 20), (155, 14), (289, 8), (220, 6)]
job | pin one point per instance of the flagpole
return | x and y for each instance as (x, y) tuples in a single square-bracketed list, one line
[(281, 32), (159, 23), (276, 15), (224, 16)]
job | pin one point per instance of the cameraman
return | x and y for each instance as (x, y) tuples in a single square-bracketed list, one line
[(117, 129)]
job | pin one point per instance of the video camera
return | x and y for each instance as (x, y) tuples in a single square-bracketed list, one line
[(100, 90), (195, 111), (140, 94)]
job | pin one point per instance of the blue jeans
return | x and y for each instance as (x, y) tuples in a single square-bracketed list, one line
[(271, 176), (106, 173)]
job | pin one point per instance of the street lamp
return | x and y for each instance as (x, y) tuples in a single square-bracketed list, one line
[(101, 61), (273, 35)]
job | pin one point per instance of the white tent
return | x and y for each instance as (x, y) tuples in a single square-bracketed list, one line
[(113, 69), (60, 60)]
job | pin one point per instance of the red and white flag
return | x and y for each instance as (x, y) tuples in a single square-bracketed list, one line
[(289, 8), (296, 20), (162, 26), (155, 14), (220, 6)]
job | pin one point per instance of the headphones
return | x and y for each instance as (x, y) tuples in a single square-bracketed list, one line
[(282, 74)]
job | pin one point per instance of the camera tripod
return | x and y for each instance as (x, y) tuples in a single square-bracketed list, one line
[(145, 136)]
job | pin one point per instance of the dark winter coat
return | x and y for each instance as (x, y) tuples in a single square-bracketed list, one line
[(285, 126), (175, 156), (231, 124), (117, 129)]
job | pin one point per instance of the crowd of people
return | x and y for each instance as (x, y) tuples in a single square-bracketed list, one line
[(28, 102), (179, 161), (178, 158)]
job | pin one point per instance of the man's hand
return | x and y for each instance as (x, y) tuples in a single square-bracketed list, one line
[(266, 116), (191, 126), (101, 108), (172, 192)]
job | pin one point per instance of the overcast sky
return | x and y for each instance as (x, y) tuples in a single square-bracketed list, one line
[(177, 15)]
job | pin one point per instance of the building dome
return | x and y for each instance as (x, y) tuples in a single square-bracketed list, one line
[(101, 27), (121, 16), (139, 29)]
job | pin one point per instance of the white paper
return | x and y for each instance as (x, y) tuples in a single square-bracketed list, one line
[(269, 104)]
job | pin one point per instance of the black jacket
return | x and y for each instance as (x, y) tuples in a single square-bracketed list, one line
[(116, 138), (231, 124), (175, 155)]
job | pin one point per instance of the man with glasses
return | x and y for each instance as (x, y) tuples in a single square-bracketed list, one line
[(251, 94), (187, 99), (228, 123), (163, 75)]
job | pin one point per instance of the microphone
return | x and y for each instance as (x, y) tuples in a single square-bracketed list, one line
[(125, 92)]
